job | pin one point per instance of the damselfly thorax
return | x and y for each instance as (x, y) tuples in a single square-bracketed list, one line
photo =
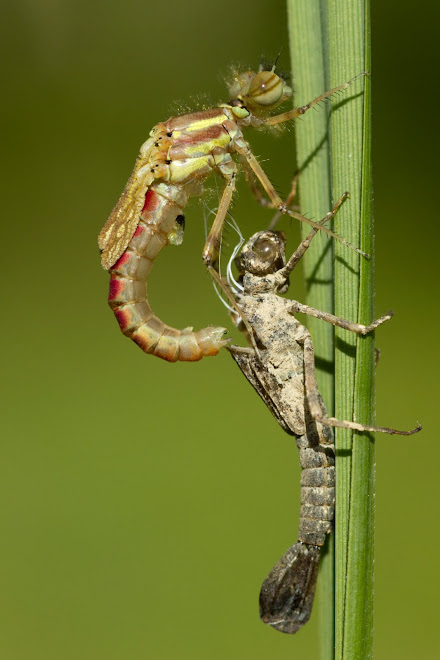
[(172, 165)]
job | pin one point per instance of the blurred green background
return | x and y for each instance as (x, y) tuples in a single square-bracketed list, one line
[(143, 503)]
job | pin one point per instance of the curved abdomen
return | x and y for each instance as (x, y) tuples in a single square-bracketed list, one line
[(158, 226)]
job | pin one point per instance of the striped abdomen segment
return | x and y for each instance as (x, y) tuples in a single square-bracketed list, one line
[(128, 286), (287, 594), (317, 458)]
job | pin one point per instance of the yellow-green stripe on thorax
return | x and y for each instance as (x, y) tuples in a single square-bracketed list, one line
[(198, 142)]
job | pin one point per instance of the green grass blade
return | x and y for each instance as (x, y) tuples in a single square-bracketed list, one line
[(308, 39), (349, 35)]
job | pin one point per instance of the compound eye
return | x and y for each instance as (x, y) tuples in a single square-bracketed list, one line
[(265, 250), (266, 88)]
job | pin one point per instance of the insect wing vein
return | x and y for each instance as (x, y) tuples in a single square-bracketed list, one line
[(123, 220)]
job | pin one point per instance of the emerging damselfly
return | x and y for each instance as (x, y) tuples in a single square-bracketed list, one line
[(171, 167)]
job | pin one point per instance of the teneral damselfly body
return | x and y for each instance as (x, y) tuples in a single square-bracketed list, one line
[(172, 165), (280, 366)]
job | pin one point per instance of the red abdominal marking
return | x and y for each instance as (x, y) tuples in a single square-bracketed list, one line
[(121, 261), (152, 202), (122, 317), (115, 289)]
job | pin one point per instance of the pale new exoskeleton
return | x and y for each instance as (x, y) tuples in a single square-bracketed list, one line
[(172, 165)]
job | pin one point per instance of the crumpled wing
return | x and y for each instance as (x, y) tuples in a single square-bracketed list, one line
[(123, 220)]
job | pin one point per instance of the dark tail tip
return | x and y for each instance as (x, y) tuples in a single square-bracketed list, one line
[(286, 596)]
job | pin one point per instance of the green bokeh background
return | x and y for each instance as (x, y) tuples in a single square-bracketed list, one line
[(143, 503)]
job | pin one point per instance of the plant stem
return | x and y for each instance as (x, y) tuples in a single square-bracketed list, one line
[(308, 47), (349, 47), (345, 27)]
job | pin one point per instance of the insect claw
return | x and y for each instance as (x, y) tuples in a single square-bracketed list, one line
[(359, 75)]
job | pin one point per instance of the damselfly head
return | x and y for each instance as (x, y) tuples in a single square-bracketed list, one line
[(259, 92)]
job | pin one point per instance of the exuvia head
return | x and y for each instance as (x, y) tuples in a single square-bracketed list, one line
[(258, 92), (264, 253)]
